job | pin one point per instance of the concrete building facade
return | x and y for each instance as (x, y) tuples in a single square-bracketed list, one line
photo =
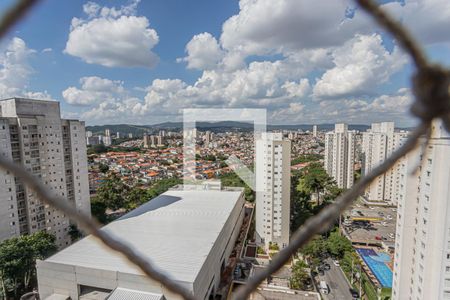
[(378, 143), (314, 131), (339, 157), (422, 250), (273, 189), (34, 135), (189, 233)]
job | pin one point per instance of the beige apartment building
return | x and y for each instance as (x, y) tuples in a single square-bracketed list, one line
[(422, 250), (339, 157), (378, 143), (33, 134), (273, 189)]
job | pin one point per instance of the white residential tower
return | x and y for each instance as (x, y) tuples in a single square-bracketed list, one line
[(273, 184), (422, 250), (340, 155), (33, 134)]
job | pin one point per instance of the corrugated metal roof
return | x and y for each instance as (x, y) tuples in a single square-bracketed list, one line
[(175, 230), (121, 294)]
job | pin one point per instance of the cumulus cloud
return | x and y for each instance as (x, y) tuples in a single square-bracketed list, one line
[(203, 52), (113, 37), (93, 90), (261, 27), (361, 64), (304, 60), (271, 85), (428, 20), (365, 110), (15, 70)]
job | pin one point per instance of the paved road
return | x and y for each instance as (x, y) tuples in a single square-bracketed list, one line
[(339, 287)]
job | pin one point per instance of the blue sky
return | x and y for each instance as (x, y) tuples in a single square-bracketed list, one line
[(142, 62)]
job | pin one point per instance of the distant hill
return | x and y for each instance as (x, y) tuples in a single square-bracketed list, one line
[(139, 130), (136, 130)]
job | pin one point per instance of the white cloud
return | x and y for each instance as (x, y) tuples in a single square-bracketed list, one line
[(262, 27), (296, 41), (296, 89), (203, 52), (364, 110), (428, 20), (93, 90), (15, 70), (361, 64), (113, 37), (271, 85)]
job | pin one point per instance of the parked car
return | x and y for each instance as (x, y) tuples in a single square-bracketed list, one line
[(355, 294), (394, 209), (323, 287), (378, 237), (326, 266), (321, 272), (389, 217), (336, 263), (380, 213), (384, 224)]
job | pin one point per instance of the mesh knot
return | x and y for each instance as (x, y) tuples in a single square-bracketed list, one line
[(431, 86)]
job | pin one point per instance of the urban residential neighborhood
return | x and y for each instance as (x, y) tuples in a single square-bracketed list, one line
[(264, 150)]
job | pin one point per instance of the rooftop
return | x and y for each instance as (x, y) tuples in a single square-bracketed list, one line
[(175, 230)]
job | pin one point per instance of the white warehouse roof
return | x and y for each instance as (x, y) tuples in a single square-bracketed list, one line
[(175, 230)]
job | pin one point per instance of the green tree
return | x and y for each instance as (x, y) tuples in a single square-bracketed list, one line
[(18, 261), (306, 158), (161, 186), (232, 179), (349, 258), (338, 245), (111, 192), (98, 210), (299, 276), (74, 232), (315, 248), (301, 208), (314, 179), (103, 168), (135, 198)]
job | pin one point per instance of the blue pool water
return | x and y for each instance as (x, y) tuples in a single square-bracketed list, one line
[(377, 265)]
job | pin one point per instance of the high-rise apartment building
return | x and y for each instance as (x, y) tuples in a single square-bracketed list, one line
[(107, 138), (378, 143), (273, 182), (314, 131), (159, 140), (208, 138), (422, 250), (33, 134), (340, 155), (146, 141)]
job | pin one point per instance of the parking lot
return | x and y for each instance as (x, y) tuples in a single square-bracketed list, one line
[(370, 225)]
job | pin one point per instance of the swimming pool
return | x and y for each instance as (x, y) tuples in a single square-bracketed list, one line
[(377, 264)]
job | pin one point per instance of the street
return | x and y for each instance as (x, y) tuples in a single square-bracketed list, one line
[(339, 287)]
